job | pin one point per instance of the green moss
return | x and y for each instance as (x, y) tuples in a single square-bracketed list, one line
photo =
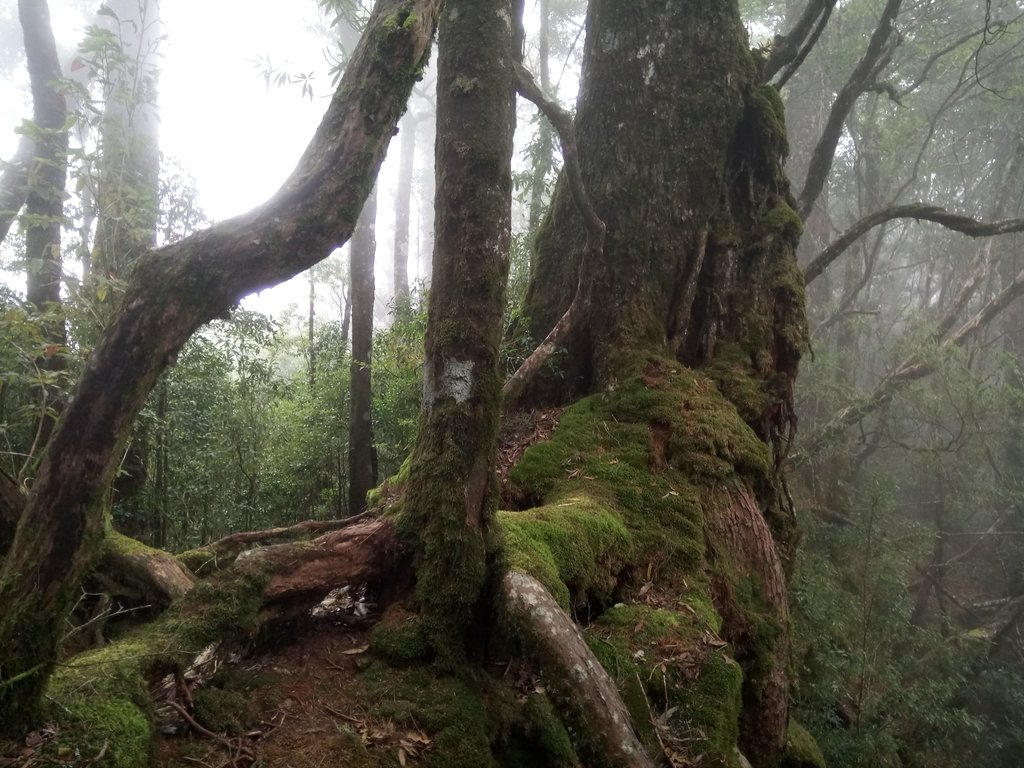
[(199, 561), (800, 749), (709, 707), (647, 452), (100, 698), (782, 220), (220, 710), (219, 609), (767, 112), (733, 372), (546, 732), (448, 708), (347, 749), (104, 691), (575, 546), (118, 729), (668, 667), (760, 628), (401, 640)]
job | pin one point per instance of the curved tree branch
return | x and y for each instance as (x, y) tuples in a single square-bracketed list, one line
[(920, 211), (791, 50), (595, 228)]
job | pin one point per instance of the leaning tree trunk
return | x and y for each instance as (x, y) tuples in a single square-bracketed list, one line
[(451, 492), (173, 292), (681, 146)]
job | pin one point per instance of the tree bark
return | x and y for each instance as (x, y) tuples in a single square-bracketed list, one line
[(452, 489), (403, 204), (362, 456), (172, 293), (681, 146)]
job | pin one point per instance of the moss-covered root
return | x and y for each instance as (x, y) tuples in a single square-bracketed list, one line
[(551, 637), (128, 567)]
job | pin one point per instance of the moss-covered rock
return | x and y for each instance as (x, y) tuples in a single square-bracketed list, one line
[(801, 750)]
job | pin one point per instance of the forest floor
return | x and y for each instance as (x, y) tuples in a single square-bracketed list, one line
[(296, 704)]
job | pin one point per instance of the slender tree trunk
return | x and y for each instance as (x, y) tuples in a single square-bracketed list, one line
[(452, 491), (44, 201), (403, 203), (543, 159), (311, 332), (362, 456)]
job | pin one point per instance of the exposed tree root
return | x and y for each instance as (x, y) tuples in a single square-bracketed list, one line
[(128, 568), (553, 639), (223, 552)]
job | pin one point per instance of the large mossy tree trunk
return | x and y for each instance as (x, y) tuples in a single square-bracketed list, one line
[(681, 146), (172, 293), (452, 489)]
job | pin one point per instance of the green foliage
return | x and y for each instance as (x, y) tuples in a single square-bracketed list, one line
[(398, 381), (875, 687)]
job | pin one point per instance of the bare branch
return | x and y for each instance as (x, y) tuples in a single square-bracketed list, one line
[(920, 211), (912, 369), (791, 50), (875, 58), (562, 123)]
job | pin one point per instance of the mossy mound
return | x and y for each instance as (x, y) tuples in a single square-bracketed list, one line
[(801, 750), (623, 492), (680, 685), (101, 697)]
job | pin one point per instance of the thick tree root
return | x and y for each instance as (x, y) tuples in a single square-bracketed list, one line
[(551, 637), (219, 554)]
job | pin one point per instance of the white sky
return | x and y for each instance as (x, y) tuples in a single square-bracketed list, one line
[(238, 139), (218, 119)]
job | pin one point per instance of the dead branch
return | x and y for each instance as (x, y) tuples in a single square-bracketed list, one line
[(595, 228), (876, 57), (920, 211), (221, 553), (354, 555)]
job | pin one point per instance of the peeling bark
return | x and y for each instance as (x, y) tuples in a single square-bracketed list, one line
[(751, 553)]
